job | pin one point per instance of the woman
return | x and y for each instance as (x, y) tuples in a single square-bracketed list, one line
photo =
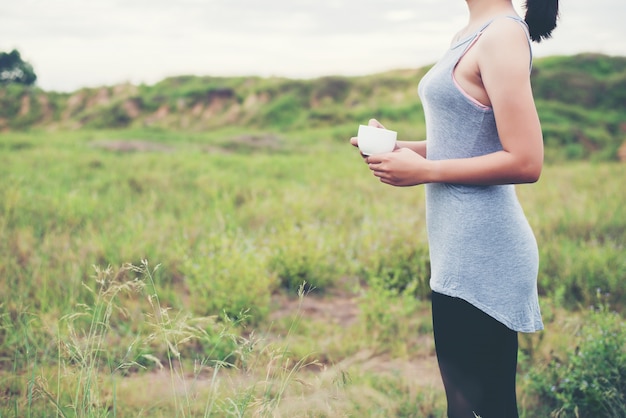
[(483, 136)]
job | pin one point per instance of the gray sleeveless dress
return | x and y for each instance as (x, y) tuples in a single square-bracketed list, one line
[(482, 248)]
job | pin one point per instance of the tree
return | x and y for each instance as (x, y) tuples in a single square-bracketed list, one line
[(14, 70)]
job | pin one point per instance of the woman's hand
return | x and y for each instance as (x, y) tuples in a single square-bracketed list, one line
[(405, 166), (402, 167)]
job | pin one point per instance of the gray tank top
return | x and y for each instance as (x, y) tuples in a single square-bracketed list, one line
[(482, 248)]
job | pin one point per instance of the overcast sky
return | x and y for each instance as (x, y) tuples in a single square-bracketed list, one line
[(88, 43)]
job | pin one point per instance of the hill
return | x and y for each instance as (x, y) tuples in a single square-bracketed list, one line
[(581, 100)]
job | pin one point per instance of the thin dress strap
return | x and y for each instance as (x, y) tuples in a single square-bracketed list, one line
[(515, 18)]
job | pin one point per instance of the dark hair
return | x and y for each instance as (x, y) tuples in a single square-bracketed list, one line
[(541, 17)]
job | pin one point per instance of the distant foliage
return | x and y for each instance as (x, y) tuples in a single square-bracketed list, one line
[(581, 101), (585, 80), (15, 70)]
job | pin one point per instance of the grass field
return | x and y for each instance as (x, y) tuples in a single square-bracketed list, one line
[(161, 274)]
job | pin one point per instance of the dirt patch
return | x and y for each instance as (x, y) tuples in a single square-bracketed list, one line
[(249, 144), (135, 145), (340, 309)]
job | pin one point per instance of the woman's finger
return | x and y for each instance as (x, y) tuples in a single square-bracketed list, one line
[(374, 122)]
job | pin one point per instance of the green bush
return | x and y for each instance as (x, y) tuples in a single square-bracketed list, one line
[(617, 86), (407, 269), (590, 382), (16, 98), (302, 256), (113, 116), (228, 278), (284, 111), (335, 88)]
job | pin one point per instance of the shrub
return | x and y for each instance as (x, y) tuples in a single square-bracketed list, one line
[(112, 116), (302, 256), (591, 380), (229, 279), (283, 111)]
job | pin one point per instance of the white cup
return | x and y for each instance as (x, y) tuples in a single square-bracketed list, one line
[(372, 140)]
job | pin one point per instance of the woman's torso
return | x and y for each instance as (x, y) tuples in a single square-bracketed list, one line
[(482, 247)]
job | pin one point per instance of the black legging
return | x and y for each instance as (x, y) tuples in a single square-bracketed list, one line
[(477, 358)]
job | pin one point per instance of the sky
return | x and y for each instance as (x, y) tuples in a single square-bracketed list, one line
[(89, 43)]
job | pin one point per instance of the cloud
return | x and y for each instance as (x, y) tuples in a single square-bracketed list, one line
[(400, 15)]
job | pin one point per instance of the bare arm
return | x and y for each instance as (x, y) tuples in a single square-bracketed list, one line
[(418, 147)]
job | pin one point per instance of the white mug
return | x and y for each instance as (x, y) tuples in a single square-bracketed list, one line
[(372, 140)]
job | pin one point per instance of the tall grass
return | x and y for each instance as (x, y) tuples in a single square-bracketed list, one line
[(232, 224)]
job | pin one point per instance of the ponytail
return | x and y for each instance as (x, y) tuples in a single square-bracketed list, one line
[(541, 17)]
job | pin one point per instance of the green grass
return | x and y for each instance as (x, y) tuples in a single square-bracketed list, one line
[(233, 219)]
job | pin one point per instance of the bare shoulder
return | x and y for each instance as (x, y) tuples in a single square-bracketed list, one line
[(505, 32), (505, 41)]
